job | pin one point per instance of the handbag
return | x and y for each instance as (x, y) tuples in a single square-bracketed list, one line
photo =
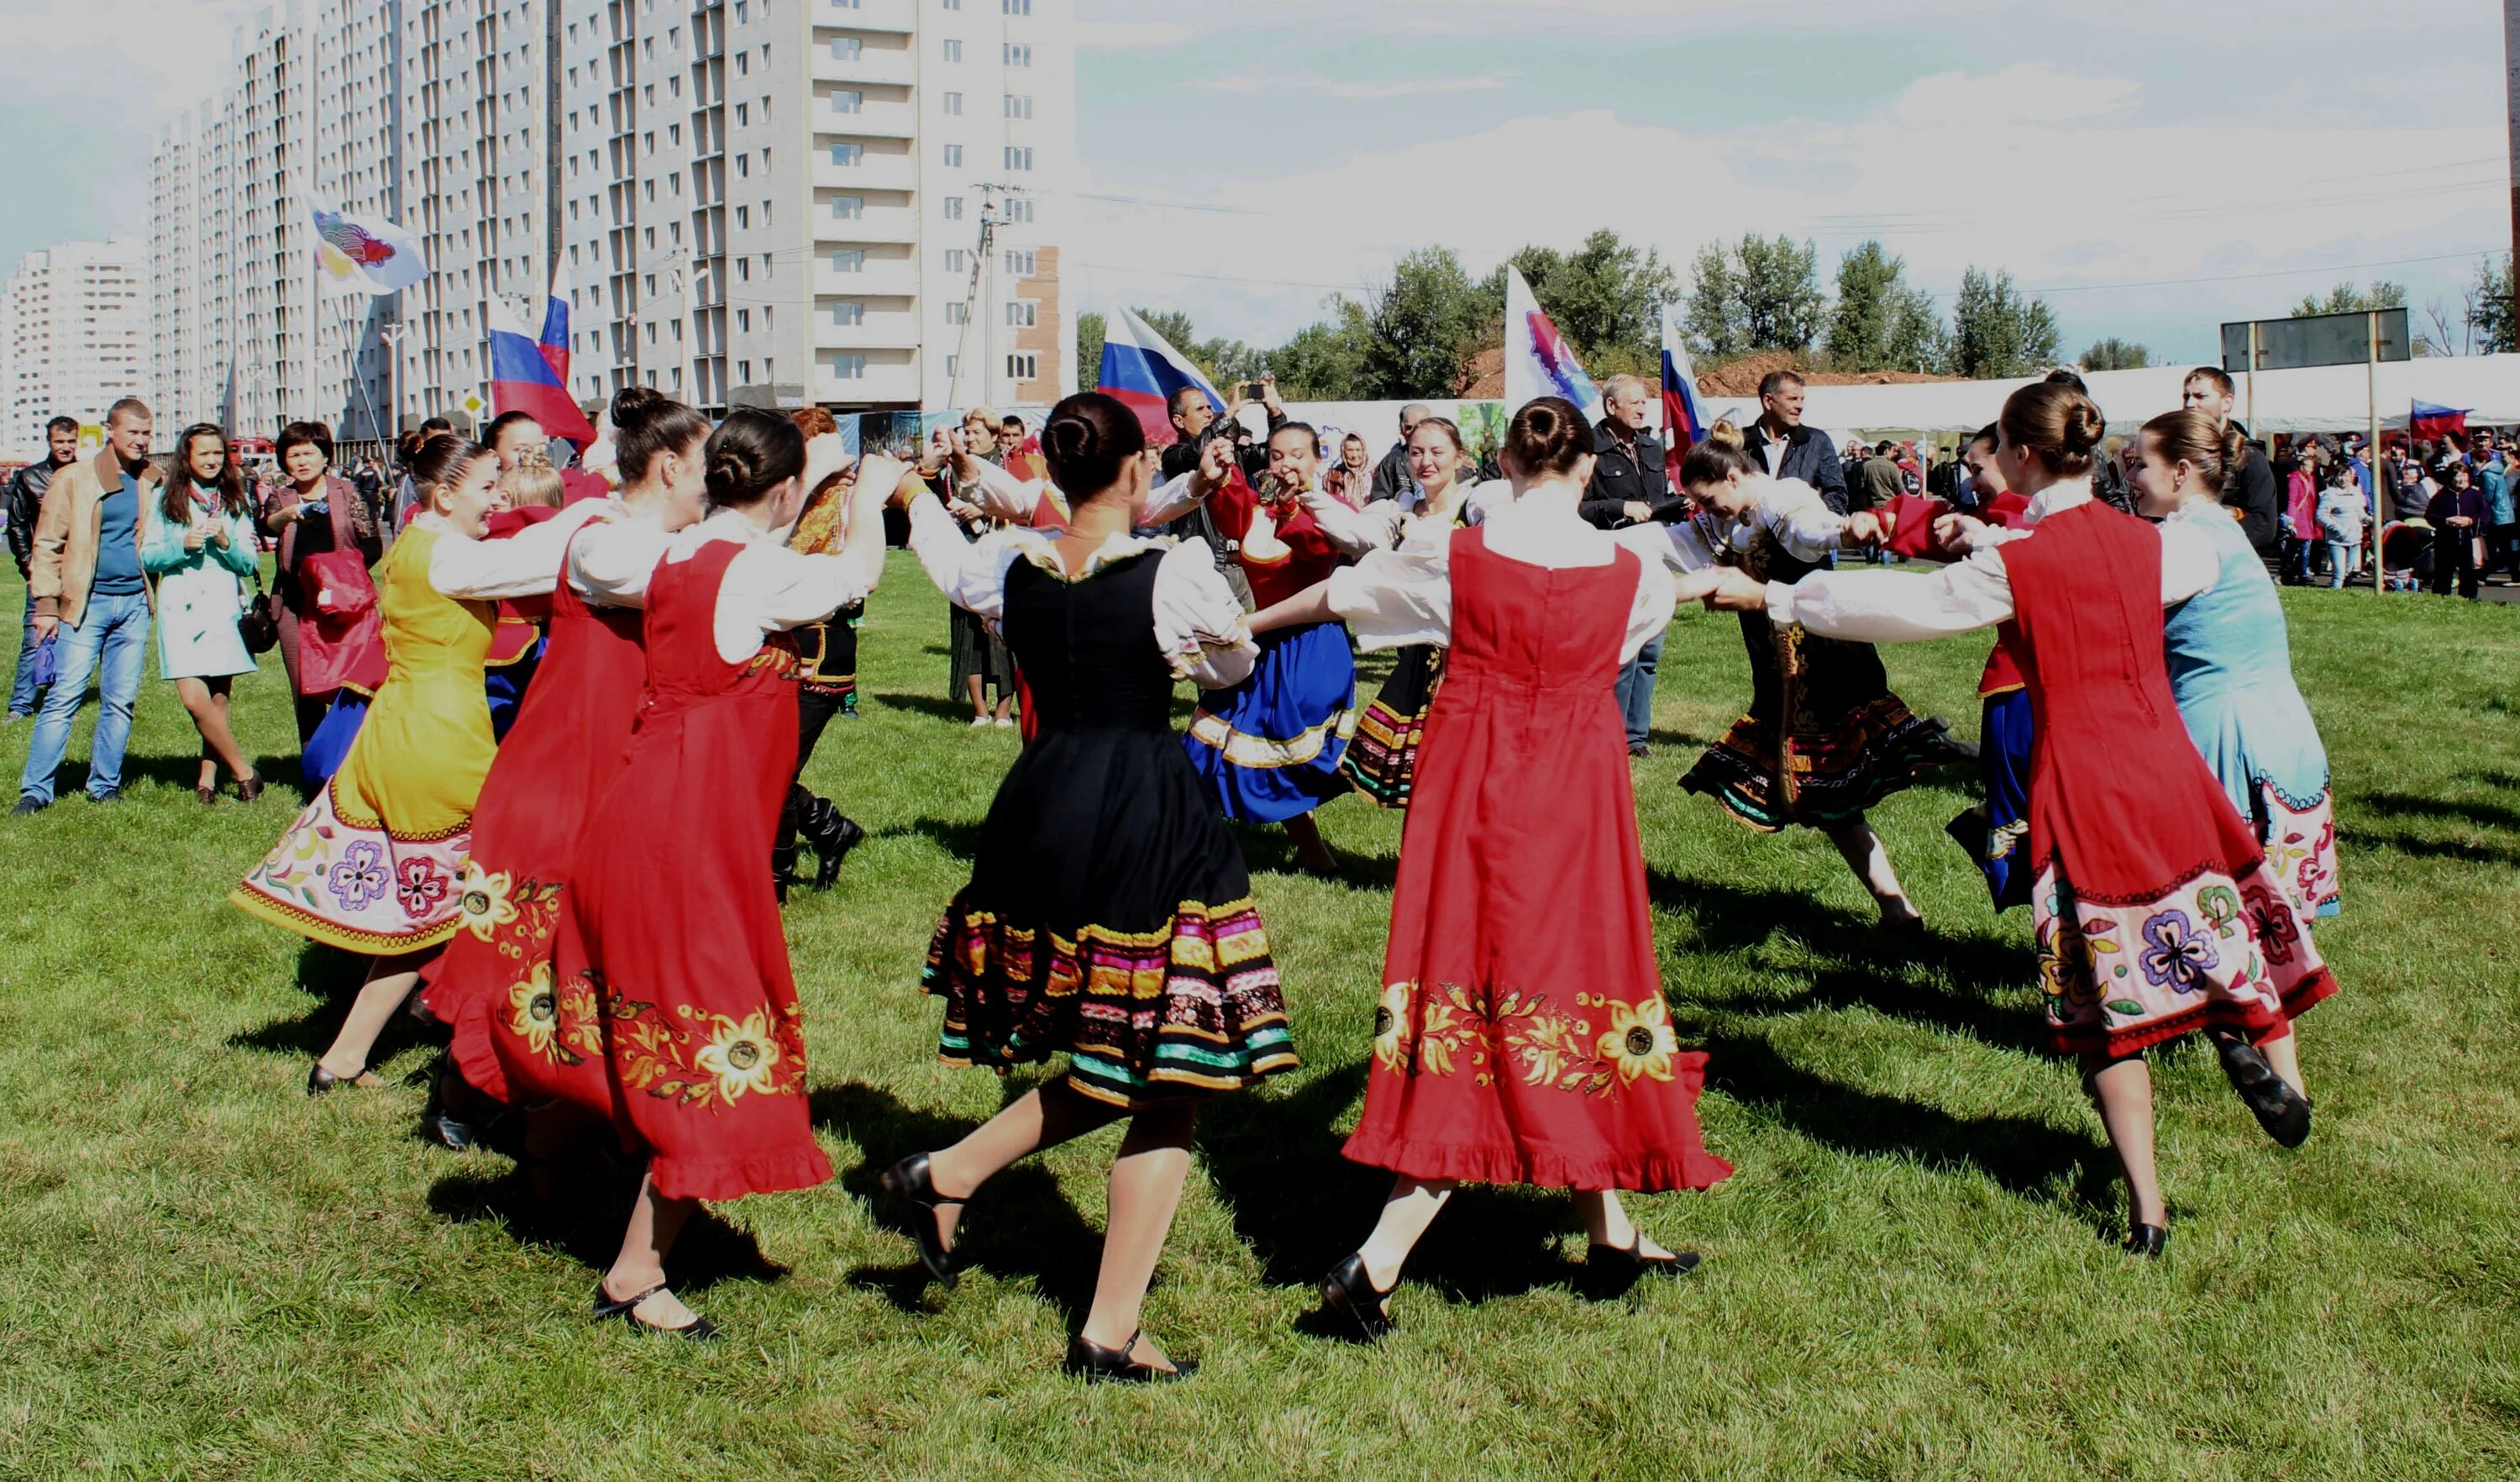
[(46, 665), (259, 624)]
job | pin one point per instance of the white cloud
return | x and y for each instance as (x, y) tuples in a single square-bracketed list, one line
[(69, 46), (1131, 36), (1361, 89), (2045, 172)]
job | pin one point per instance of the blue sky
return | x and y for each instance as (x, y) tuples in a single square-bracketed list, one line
[(1242, 161)]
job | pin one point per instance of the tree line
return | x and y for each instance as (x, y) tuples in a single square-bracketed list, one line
[(1421, 332)]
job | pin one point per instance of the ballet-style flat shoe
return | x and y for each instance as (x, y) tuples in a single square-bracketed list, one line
[(1351, 1293), (1610, 1271), (207, 792), (908, 1181), (700, 1329), (250, 789), (2145, 1241), (1096, 1364), (320, 1081), (2281, 1110)]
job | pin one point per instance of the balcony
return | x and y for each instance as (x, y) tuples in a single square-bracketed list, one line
[(884, 382), (893, 17), (895, 277), (894, 329), (873, 171), (874, 63), (876, 116)]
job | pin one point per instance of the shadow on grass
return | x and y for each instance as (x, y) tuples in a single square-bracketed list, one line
[(1018, 1227), (2408, 805), (1729, 919), (2024, 1157), (1267, 849), (331, 977), (584, 1216), (182, 774), (957, 711), (2462, 850), (959, 838)]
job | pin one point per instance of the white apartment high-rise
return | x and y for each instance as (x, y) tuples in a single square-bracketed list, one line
[(74, 320), (755, 201)]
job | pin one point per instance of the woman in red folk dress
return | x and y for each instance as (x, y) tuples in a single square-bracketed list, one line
[(1522, 1035), (2154, 910), (493, 985), (671, 965)]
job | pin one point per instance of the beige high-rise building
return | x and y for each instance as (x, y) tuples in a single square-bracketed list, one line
[(74, 336), (752, 201)]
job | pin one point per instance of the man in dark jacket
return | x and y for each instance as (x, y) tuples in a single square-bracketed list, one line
[(1391, 477), (1195, 425), (1787, 449), (2253, 493), (1630, 486), (24, 501)]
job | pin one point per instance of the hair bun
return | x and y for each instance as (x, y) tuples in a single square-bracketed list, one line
[(728, 476), (2085, 426), (1726, 433), (1069, 439), (633, 405)]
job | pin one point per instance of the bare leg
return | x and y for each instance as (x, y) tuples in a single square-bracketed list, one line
[(1043, 1118), (1310, 851), (2285, 1056), (655, 1222), (1606, 1223), (1145, 1190), (1869, 859), (207, 702), (979, 701), (2124, 1090), (1411, 1208), (1006, 703), (390, 980)]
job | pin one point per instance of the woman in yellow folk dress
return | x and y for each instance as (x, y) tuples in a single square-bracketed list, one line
[(371, 866)]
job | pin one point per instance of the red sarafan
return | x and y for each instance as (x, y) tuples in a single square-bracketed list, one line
[(1522, 1035)]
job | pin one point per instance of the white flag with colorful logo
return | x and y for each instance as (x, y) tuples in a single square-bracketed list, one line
[(363, 255)]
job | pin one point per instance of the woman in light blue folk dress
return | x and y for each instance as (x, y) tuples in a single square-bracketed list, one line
[(196, 543)]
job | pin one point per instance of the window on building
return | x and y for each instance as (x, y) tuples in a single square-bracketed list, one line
[(1019, 209), (848, 155), (953, 208), (953, 156), (744, 323), (952, 50), (1024, 368), (743, 114), (743, 217), (1015, 7), (954, 259), (1020, 264), (742, 167), (743, 63), (953, 103), (848, 313), (851, 102), (848, 207), (847, 367), (952, 365), (1018, 105), (847, 48), (1019, 54), (849, 259), (958, 313), (1019, 157), (1023, 314)]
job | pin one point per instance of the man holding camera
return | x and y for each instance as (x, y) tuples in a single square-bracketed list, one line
[(1196, 424)]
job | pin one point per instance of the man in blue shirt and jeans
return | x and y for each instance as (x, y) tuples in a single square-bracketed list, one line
[(92, 599)]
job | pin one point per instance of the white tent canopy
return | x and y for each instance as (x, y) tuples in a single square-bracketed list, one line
[(2322, 399)]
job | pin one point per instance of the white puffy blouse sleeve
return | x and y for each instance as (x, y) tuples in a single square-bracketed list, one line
[(524, 565), (1174, 498), (972, 574), (610, 560), (1003, 495), (1353, 532), (1391, 598), (1198, 620), (770, 589), (1678, 547), (1896, 607), (1802, 521)]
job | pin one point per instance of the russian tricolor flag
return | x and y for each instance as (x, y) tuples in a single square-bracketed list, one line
[(1684, 420), (529, 367), (1143, 372)]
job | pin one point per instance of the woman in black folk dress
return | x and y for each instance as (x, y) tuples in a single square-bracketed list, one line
[(1109, 914)]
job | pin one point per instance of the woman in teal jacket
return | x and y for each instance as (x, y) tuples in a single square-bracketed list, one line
[(196, 543)]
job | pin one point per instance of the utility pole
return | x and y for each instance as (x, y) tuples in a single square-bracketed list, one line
[(393, 335), (977, 300)]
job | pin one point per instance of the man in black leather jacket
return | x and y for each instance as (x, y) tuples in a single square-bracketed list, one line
[(24, 500)]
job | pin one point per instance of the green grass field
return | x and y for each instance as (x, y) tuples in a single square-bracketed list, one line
[(203, 1274)]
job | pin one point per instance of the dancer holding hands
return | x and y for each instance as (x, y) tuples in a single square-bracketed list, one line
[(1522, 1035), (2155, 911), (1109, 914)]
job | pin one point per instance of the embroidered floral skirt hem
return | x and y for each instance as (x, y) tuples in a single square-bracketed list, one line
[(1843, 767), (1996, 833), (358, 885), (2215, 952), (494, 980), (2300, 836), (1190, 1008), (1270, 747), (2263, 747), (1382, 759)]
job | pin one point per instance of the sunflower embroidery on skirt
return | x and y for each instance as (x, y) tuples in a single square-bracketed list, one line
[(715, 1058), (1518, 1034), (555, 1022)]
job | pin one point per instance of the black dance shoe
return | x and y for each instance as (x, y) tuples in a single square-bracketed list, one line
[(1610, 1271), (320, 1081), (2145, 1241), (1350, 1292), (908, 1181), (250, 788), (832, 834), (1096, 1364), (700, 1331), (2281, 1110)]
